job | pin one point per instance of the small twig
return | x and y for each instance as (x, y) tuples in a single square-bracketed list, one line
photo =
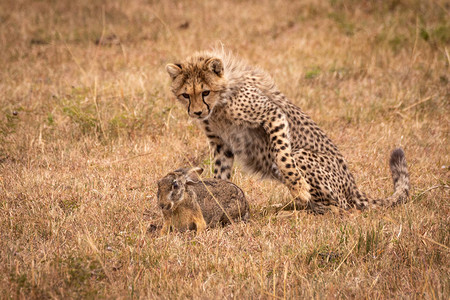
[(138, 275), (415, 40), (446, 54), (284, 279), (434, 242), (396, 106), (417, 103), (206, 281), (374, 282), (345, 258), (169, 115), (433, 188), (401, 115), (96, 108)]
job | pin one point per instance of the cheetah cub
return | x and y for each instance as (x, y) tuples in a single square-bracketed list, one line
[(188, 202), (246, 117)]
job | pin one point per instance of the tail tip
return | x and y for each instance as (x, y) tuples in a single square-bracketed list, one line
[(397, 157)]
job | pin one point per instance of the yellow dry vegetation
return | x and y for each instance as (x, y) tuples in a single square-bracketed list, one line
[(88, 125)]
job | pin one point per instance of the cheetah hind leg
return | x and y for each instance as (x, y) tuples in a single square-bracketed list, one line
[(302, 201)]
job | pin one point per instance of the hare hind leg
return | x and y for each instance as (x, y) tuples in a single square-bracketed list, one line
[(199, 223)]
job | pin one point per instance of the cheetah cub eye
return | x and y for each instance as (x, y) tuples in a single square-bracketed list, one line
[(205, 93), (186, 96)]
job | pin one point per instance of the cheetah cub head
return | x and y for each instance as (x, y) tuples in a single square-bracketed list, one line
[(198, 83)]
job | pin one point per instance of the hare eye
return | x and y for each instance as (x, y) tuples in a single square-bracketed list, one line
[(185, 95), (205, 93), (175, 185)]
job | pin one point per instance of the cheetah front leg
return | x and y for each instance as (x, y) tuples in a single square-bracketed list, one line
[(278, 130), (223, 157)]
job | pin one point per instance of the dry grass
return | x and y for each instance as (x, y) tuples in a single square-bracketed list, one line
[(87, 126)]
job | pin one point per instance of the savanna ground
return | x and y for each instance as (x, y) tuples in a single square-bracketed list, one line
[(87, 127)]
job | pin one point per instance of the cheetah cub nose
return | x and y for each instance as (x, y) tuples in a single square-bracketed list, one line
[(198, 113)]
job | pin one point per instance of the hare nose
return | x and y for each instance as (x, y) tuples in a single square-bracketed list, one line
[(198, 113)]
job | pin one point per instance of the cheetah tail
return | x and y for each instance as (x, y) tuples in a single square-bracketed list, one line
[(400, 177)]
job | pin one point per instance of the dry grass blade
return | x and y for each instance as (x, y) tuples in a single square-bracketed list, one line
[(418, 102), (433, 188), (344, 259)]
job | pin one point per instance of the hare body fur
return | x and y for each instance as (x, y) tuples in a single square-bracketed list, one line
[(188, 202)]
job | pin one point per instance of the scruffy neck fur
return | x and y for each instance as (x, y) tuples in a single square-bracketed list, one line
[(236, 69)]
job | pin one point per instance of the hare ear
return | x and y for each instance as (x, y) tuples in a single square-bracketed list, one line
[(215, 65), (174, 70), (193, 175)]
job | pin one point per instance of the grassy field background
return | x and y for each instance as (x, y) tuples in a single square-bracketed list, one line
[(87, 127)]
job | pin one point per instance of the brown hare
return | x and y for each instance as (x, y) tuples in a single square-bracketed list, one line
[(188, 202)]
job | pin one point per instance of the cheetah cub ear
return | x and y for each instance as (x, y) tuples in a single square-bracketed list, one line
[(215, 65), (174, 70)]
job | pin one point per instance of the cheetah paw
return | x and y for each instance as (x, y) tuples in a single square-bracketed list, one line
[(301, 196)]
